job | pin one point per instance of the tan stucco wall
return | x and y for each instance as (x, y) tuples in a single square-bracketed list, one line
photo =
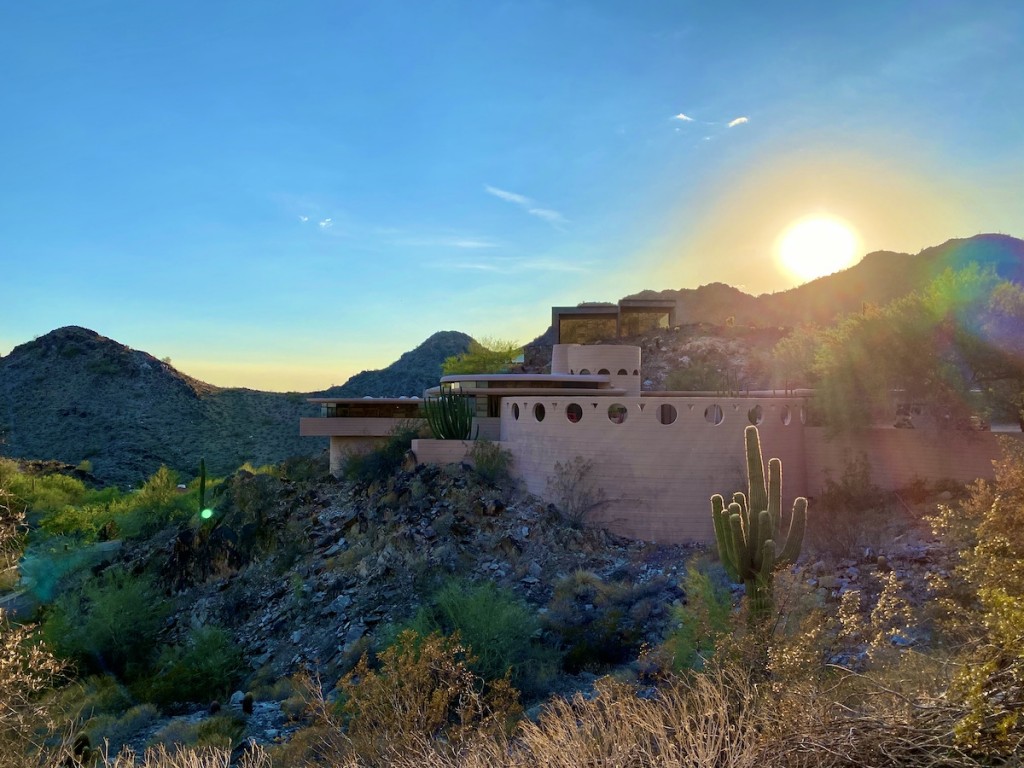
[(612, 358), (899, 456), (657, 478)]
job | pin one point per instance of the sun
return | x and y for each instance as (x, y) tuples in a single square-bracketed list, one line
[(817, 245)]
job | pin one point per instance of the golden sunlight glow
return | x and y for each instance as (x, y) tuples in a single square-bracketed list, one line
[(817, 246)]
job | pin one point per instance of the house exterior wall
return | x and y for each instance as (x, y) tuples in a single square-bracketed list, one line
[(656, 477)]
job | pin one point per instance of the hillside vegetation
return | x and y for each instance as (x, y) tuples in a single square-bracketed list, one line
[(74, 395), (438, 616)]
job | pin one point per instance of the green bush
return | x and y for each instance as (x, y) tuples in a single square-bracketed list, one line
[(491, 462), (380, 463), (206, 667), (499, 629), (598, 623), (700, 622), (110, 624)]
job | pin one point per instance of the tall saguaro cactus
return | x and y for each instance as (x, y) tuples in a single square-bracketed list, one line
[(754, 538)]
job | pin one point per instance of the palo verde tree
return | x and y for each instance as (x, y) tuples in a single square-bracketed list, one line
[(485, 356), (753, 536), (957, 345)]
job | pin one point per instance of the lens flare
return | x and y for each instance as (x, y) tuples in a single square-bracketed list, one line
[(206, 514)]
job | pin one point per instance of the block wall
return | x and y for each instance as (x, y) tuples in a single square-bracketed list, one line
[(656, 473)]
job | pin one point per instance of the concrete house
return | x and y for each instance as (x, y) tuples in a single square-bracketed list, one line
[(656, 457)]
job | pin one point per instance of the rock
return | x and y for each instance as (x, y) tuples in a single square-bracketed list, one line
[(236, 699)]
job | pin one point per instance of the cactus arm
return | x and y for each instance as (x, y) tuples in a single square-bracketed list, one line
[(757, 492), (775, 493), (764, 535), (795, 535)]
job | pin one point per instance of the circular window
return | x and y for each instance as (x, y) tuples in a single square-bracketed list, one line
[(667, 413), (713, 414), (616, 413), (786, 415), (622, 372), (538, 412), (515, 411), (573, 412), (584, 371), (604, 372), (755, 415)]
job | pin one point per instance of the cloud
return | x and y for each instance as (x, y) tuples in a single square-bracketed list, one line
[(738, 121), (303, 219), (527, 204), (448, 242), (326, 224), (511, 266), (684, 118), (510, 197), (547, 214)]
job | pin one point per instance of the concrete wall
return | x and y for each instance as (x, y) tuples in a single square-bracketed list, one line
[(899, 456), (656, 477)]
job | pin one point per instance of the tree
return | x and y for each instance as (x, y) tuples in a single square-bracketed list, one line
[(485, 356), (955, 345)]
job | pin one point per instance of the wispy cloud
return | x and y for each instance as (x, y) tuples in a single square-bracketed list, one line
[(326, 224), (510, 197), (529, 205), (512, 266), (683, 117), (738, 121), (470, 243), (547, 214), (303, 219)]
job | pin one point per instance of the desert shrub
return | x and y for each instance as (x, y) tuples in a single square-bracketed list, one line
[(380, 463), (157, 504), (700, 622), (984, 606), (424, 689), (304, 468), (204, 668), (198, 757), (110, 624), (27, 670), (491, 462), (116, 730), (850, 513), (597, 623), (497, 628), (575, 492)]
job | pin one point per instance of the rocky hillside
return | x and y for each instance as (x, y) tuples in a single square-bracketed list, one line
[(410, 374), (878, 278), (74, 395)]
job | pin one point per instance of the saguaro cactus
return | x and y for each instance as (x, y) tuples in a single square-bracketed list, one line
[(749, 529), (202, 485)]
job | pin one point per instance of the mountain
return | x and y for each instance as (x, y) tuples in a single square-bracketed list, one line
[(410, 374), (74, 395), (878, 278)]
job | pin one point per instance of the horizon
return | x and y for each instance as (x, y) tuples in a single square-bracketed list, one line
[(253, 190)]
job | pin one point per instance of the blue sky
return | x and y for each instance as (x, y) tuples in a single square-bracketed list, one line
[(278, 195)]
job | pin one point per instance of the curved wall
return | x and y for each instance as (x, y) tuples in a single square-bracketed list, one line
[(620, 362), (658, 460)]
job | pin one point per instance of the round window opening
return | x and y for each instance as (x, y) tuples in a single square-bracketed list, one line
[(538, 412), (622, 372), (667, 413), (616, 413), (515, 411), (584, 371), (755, 415), (786, 415), (604, 372), (573, 412), (713, 415)]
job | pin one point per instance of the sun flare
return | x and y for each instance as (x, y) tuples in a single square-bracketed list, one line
[(817, 246)]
